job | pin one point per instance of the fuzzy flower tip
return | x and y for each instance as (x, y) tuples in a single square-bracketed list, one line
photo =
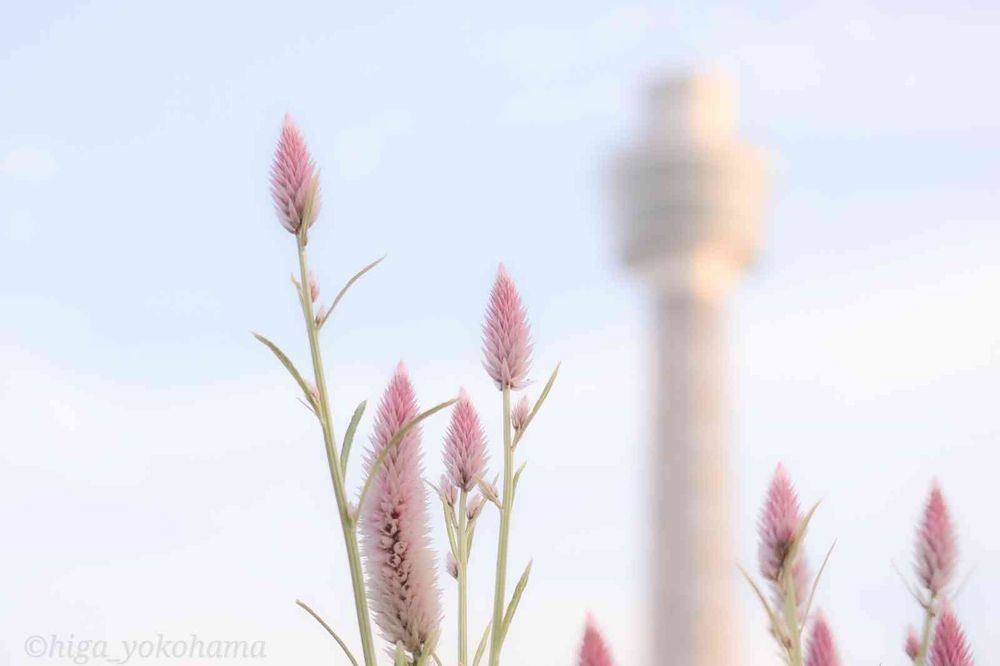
[(506, 337), (294, 181), (402, 585), (778, 525), (937, 550), (821, 651), (594, 651), (464, 445), (949, 647)]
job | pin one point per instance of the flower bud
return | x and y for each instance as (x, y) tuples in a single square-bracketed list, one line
[(476, 506), (446, 490), (313, 287), (912, 644), (519, 417)]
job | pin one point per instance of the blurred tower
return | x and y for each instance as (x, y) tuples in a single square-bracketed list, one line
[(691, 196)]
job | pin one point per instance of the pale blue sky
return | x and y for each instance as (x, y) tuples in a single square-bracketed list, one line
[(157, 474)]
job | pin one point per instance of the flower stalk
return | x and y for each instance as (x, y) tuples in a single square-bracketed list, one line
[(462, 558), (323, 412), (506, 501)]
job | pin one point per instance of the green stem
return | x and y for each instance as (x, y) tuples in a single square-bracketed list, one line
[(925, 638), (462, 557), (333, 459), (792, 618), (499, 593)]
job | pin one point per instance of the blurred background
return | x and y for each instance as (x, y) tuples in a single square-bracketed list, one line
[(157, 475)]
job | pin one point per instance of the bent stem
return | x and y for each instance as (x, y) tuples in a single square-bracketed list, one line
[(496, 639), (333, 459)]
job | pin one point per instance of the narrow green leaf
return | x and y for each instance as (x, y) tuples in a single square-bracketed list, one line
[(800, 534), (449, 522), (812, 592), (285, 361), (515, 600), (775, 625), (392, 444), (471, 531), (517, 478), (343, 290), (538, 405), (329, 630), (352, 428), (481, 648)]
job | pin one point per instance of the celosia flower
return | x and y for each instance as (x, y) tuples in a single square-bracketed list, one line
[(464, 445), (402, 585), (594, 651), (912, 644), (452, 566), (506, 338), (821, 651), (294, 181), (778, 526), (949, 647), (937, 550), (519, 416)]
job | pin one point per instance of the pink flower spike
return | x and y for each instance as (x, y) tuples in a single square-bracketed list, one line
[(779, 520), (949, 647), (519, 417), (937, 549), (594, 651), (821, 651), (912, 644), (506, 337), (778, 524), (294, 181), (402, 582), (464, 445)]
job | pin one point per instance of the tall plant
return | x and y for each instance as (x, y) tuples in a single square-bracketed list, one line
[(386, 531)]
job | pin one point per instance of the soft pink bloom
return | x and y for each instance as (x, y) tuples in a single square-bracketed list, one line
[(937, 549), (778, 525), (294, 181), (949, 647), (506, 338), (520, 414), (821, 650), (464, 444), (594, 651), (402, 585), (912, 644)]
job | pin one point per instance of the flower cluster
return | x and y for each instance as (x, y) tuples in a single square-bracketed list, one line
[(782, 529), (386, 530)]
